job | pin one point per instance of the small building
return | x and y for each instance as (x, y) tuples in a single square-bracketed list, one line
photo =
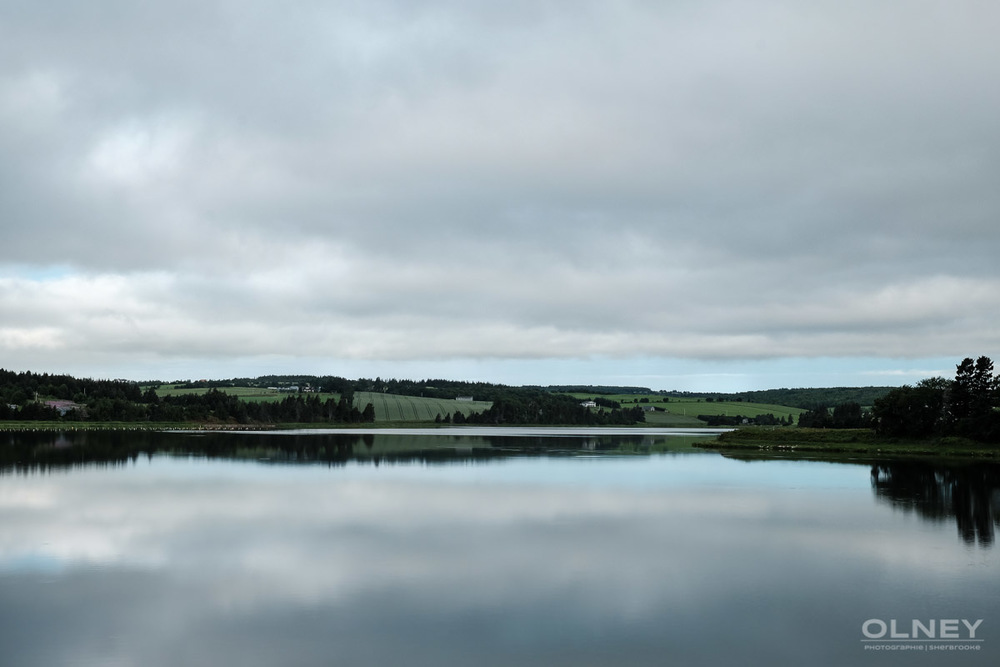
[(463, 398), (62, 407), (589, 404)]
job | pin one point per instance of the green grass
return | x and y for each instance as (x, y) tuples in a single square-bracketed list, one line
[(395, 408), (670, 420), (693, 406), (388, 407), (773, 442)]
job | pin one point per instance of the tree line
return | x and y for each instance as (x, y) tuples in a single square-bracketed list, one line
[(966, 406), (536, 406), (739, 420), (125, 401)]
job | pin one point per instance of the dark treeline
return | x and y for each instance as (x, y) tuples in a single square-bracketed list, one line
[(844, 415), (809, 398), (536, 406), (966, 406), (296, 408), (20, 388), (428, 388), (597, 389), (124, 401), (936, 407), (739, 420)]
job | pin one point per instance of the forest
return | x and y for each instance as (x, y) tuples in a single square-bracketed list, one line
[(965, 407)]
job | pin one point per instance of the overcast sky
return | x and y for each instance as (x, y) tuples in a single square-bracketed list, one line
[(690, 195)]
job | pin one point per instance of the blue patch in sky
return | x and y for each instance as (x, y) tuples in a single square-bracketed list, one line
[(36, 273)]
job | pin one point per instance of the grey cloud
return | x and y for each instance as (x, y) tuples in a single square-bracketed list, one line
[(576, 169)]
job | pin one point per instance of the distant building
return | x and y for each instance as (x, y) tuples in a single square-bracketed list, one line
[(463, 398), (589, 404), (63, 406)]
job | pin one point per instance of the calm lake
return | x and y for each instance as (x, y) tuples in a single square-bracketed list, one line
[(486, 547)]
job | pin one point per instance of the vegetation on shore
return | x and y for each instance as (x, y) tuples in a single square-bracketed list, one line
[(776, 442), (966, 407), (270, 401)]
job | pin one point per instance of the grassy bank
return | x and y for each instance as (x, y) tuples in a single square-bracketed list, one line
[(98, 426), (764, 442)]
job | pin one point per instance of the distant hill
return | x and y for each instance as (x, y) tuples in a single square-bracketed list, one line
[(598, 390), (812, 398)]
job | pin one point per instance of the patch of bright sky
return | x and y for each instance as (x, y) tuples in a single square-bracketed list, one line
[(35, 272)]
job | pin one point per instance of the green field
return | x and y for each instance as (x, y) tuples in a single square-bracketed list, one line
[(679, 412), (685, 411), (388, 407), (394, 408)]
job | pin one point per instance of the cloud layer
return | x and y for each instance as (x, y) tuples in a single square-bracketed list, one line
[(533, 181)]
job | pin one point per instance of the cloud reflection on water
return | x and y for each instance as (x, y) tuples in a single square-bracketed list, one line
[(301, 565)]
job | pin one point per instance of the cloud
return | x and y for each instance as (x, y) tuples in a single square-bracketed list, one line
[(398, 182)]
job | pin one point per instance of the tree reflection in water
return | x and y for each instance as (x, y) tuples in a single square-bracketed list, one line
[(970, 494), (41, 451)]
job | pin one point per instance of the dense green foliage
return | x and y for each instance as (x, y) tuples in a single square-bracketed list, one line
[(845, 415), (23, 397), (20, 388), (966, 406), (597, 390), (739, 420), (809, 398), (530, 406)]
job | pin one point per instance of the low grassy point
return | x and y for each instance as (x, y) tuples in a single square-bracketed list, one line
[(790, 442)]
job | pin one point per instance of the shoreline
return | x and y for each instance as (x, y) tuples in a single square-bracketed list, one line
[(764, 442)]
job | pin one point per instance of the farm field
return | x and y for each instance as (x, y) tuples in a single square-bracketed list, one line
[(693, 406), (395, 408), (245, 393), (678, 412), (388, 407)]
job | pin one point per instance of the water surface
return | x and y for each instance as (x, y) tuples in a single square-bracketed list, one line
[(593, 548)]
